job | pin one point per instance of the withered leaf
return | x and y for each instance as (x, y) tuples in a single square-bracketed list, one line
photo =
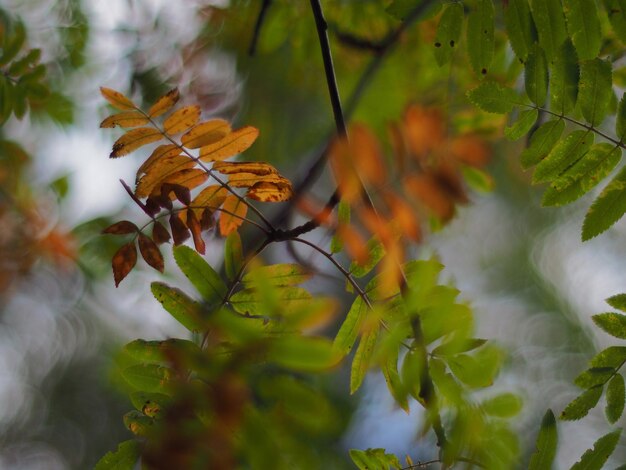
[(117, 99), (182, 120), (181, 192), (122, 227), (162, 151), (257, 168), (196, 231), (150, 252), (236, 142), (159, 171), (124, 261), (270, 192), (125, 119), (160, 233), (152, 206), (206, 220), (164, 103), (179, 229), (134, 139), (233, 213), (205, 133), (245, 180)]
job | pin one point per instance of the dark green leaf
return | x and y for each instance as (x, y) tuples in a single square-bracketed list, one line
[(595, 90), (550, 23), (124, 458), (594, 376), (233, 255), (536, 76), (565, 154), (596, 164), (617, 15), (203, 277), (138, 423), (583, 26), (617, 301), (607, 209), (564, 79), (362, 359), (480, 36), (179, 305), (620, 122), (394, 383), (615, 397), (541, 142), (547, 439), (524, 123), (581, 405), (520, 26), (448, 32), (491, 97), (594, 459), (160, 351), (613, 323)]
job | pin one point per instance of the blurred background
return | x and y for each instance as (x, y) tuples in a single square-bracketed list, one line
[(532, 283)]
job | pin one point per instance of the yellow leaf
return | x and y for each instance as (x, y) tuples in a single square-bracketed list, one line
[(234, 210), (182, 120), (159, 171), (189, 177), (210, 198), (245, 180), (162, 151), (206, 133), (116, 99), (257, 168), (232, 144), (164, 103), (134, 139), (270, 192), (125, 119)]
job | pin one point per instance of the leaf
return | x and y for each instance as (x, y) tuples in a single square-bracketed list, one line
[(196, 231), (278, 275), (233, 213), (125, 119), (581, 405), (491, 97), (565, 154), (117, 99), (376, 252), (231, 144), (265, 301), (613, 356), (615, 397), (134, 139), (270, 191), (520, 27), (595, 458), (620, 123), (185, 310), (160, 171), (613, 323), (583, 26), (182, 120), (536, 76), (524, 123), (480, 36), (205, 133), (374, 459), (200, 273), (594, 376), (595, 90), (547, 439), (550, 22), (161, 152), (597, 163), (150, 252), (122, 227), (505, 405), (541, 142), (351, 326), (477, 370), (138, 423), (256, 168), (303, 353), (164, 103), (148, 377), (448, 32), (564, 79), (607, 209), (617, 301), (160, 352), (362, 358), (233, 255), (150, 404), (343, 218), (394, 383), (616, 10), (124, 458), (180, 232), (124, 261)]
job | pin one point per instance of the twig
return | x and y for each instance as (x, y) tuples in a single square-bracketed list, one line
[(257, 26)]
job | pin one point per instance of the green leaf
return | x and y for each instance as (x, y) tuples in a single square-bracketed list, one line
[(547, 439), (303, 353), (269, 301), (541, 142), (148, 377), (412, 371), (520, 27), (615, 398), (505, 405), (124, 458), (351, 326), (594, 376), (477, 180), (448, 32), (553, 197), (480, 36), (595, 90), (613, 356), (456, 346), (160, 351), (613, 323), (581, 405), (446, 384), (620, 122), (596, 164), (138, 423), (376, 252), (565, 154), (374, 459), (394, 383), (594, 459), (536, 76), (564, 79), (362, 359), (617, 301), (550, 23), (179, 305), (13, 42), (148, 403), (583, 26), (203, 277), (607, 209), (617, 15), (522, 126), (343, 217), (478, 370), (491, 97), (233, 255), (277, 275)]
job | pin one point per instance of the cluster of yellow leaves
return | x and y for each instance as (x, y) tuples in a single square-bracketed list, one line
[(195, 152)]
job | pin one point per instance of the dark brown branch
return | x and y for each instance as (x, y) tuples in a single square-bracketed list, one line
[(258, 26), (356, 42)]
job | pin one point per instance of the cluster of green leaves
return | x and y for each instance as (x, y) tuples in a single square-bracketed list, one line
[(566, 52)]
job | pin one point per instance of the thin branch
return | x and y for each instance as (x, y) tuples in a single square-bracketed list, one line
[(258, 25)]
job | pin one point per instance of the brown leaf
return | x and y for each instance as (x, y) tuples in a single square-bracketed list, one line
[(164, 103), (182, 120), (231, 144), (180, 192), (159, 171), (125, 119), (205, 133), (162, 151), (424, 130), (179, 229), (257, 168), (134, 139), (160, 233), (404, 217), (343, 165), (206, 220), (470, 149), (426, 190), (270, 192), (196, 231), (233, 213), (124, 261), (121, 228), (245, 180), (150, 252), (153, 206), (117, 99)]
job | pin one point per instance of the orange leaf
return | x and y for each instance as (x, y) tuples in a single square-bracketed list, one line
[(470, 149), (134, 139), (340, 158), (231, 144), (164, 103), (162, 151), (205, 133), (210, 197), (189, 178), (427, 191), (125, 119), (196, 231), (354, 243), (121, 228), (117, 99), (182, 119), (424, 130), (404, 217), (179, 229), (257, 168), (124, 261), (160, 233), (233, 213), (150, 252), (270, 192), (245, 180), (366, 155), (159, 171)]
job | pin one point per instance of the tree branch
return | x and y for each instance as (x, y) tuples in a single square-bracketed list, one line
[(258, 25)]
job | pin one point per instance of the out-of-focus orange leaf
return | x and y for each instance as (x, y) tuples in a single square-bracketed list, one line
[(404, 217), (424, 130), (342, 163), (162, 151), (150, 252), (196, 231), (236, 142), (233, 212), (160, 233), (60, 246), (159, 171), (206, 133), (354, 243), (125, 119), (398, 145), (124, 261), (122, 227), (117, 99), (449, 179), (426, 190), (321, 213), (257, 168), (271, 192), (164, 103), (375, 224), (367, 156), (471, 150), (134, 139), (180, 233), (182, 120)]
